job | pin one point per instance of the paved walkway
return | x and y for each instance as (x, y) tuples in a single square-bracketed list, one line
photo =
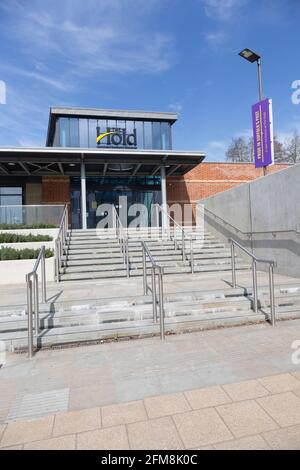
[(75, 291), (83, 393), (254, 414)]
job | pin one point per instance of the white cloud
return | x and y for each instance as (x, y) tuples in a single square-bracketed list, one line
[(222, 9), (176, 107), (216, 38), (91, 37)]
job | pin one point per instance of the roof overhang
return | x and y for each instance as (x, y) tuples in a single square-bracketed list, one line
[(66, 161)]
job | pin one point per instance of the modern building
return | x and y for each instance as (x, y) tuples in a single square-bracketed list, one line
[(94, 156)]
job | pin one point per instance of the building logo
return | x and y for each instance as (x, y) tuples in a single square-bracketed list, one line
[(116, 137)]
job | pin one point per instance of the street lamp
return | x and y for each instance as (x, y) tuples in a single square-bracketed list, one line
[(253, 57)]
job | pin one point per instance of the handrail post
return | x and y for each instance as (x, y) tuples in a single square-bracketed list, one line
[(183, 246), (233, 265), (154, 299), (127, 258), (272, 296), (192, 255), (36, 304), (254, 277), (57, 259), (29, 314), (43, 267), (161, 304), (144, 271)]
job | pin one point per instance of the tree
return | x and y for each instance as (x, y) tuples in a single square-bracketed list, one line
[(238, 150), (293, 148), (279, 151)]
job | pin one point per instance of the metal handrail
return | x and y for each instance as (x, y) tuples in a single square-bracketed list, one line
[(123, 239), (156, 271), (184, 237), (255, 260), (256, 232), (34, 286), (61, 242)]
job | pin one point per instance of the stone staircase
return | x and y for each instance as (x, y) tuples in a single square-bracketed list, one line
[(95, 254), (88, 321)]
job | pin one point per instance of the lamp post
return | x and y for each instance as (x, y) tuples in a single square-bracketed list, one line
[(253, 57)]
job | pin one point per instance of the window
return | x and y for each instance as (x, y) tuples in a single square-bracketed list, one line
[(11, 196), (156, 144), (74, 132), (148, 135), (166, 135), (64, 130), (83, 133)]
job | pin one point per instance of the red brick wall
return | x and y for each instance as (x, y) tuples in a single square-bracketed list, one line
[(208, 179)]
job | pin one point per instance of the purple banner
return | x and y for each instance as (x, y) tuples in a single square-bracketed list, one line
[(262, 119)]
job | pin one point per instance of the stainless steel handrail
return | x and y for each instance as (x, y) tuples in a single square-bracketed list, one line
[(61, 242), (122, 239), (34, 286), (156, 271), (255, 260), (256, 232), (184, 237)]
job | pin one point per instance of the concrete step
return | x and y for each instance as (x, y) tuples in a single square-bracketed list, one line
[(86, 275), (138, 328), (77, 266), (161, 259), (81, 249), (205, 252)]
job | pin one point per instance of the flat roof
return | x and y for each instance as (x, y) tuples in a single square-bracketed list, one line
[(98, 113), (42, 161)]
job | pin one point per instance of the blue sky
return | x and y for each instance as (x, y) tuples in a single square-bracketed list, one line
[(159, 55)]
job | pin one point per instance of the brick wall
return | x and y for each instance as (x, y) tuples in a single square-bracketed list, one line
[(208, 179)]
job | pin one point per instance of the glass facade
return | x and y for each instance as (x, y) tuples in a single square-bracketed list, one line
[(138, 190), (83, 132)]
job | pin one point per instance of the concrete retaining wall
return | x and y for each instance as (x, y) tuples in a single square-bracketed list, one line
[(270, 203), (14, 272)]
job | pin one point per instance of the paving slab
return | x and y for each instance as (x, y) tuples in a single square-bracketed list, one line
[(207, 397), (159, 433), (284, 439), (19, 432), (123, 413), (77, 421), (166, 405), (246, 390), (113, 438), (284, 408), (244, 443), (201, 427), (57, 443), (280, 383), (245, 418)]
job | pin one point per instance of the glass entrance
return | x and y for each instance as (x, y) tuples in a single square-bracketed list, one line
[(100, 191)]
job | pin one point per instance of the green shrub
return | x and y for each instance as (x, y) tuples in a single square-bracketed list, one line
[(7, 253), (15, 238), (25, 226)]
